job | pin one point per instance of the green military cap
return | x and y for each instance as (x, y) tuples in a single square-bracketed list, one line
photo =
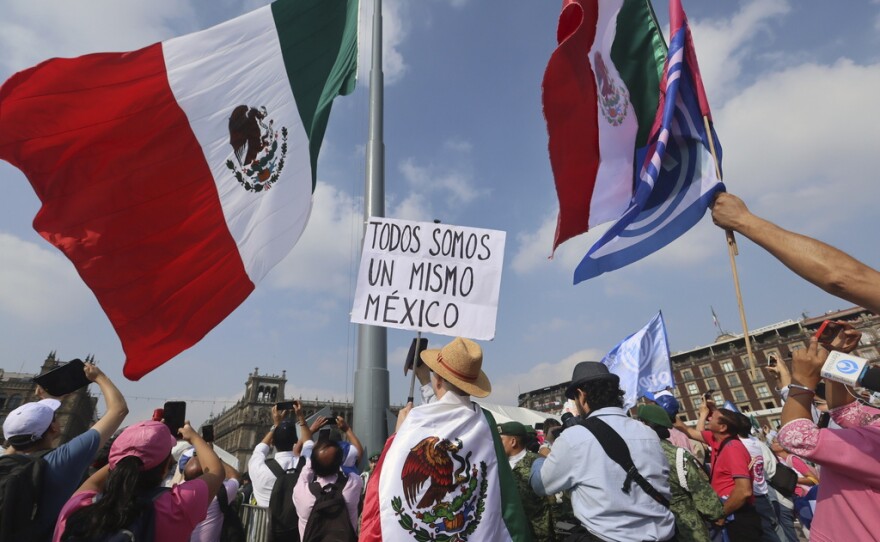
[(514, 429), (654, 414)]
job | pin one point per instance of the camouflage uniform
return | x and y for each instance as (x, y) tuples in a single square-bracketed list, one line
[(693, 506), (537, 508)]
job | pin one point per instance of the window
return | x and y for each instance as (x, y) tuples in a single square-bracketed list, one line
[(14, 402), (727, 366), (692, 388), (687, 374), (795, 346), (762, 390), (707, 370), (718, 398), (733, 379), (739, 395), (769, 404), (697, 401), (745, 408), (683, 418), (712, 383), (676, 393), (759, 375)]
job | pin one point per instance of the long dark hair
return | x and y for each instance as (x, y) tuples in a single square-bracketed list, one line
[(119, 505)]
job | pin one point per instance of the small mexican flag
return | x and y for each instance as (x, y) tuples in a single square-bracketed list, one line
[(600, 95), (444, 477), (174, 177)]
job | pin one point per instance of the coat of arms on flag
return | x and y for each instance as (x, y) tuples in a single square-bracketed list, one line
[(454, 500)]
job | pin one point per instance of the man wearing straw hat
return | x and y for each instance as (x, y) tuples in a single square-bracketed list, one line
[(445, 470)]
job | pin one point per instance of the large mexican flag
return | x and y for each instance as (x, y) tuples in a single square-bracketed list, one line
[(600, 96), (174, 177), (444, 477)]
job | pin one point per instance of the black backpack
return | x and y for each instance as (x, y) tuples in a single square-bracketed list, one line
[(329, 521), (142, 529), (232, 530), (21, 479), (784, 480), (283, 519)]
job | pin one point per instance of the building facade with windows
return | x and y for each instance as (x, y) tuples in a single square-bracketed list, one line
[(724, 369)]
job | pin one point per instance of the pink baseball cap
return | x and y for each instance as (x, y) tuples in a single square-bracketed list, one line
[(150, 441)]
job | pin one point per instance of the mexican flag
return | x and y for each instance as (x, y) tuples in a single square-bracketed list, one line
[(444, 477), (600, 95), (176, 176)]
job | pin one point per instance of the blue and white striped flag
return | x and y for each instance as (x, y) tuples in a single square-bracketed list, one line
[(678, 179), (642, 362)]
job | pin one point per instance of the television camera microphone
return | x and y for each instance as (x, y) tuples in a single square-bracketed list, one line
[(851, 370)]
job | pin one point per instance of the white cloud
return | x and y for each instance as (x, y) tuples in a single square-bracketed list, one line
[(534, 248), (506, 388), (42, 286), (395, 27), (723, 46), (36, 30), (796, 135)]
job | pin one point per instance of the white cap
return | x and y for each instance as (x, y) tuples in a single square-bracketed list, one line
[(31, 419)]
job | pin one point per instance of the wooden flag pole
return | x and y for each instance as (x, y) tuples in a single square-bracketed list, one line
[(733, 251)]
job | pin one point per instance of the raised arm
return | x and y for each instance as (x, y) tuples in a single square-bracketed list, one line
[(213, 472), (117, 409), (352, 438), (695, 433), (831, 269)]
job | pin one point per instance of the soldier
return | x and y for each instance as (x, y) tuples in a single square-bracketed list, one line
[(693, 499), (538, 510)]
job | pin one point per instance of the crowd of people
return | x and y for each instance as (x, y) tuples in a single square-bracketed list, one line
[(450, 472)]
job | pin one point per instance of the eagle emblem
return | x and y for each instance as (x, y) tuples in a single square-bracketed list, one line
[(443, 490), (255, 145), (613, 100)]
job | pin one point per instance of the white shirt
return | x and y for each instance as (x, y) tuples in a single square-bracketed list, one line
[(262, 477), (759, 465), (578, 462), (516, 458)]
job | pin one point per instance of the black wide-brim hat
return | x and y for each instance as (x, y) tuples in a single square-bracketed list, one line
[(587, 371)]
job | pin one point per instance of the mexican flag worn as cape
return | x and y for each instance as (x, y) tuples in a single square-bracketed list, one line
[(600, 94), (174, 177), (444, 477)]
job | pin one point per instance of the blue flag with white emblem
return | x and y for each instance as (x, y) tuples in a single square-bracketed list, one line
[(642, 362), (677, 179)]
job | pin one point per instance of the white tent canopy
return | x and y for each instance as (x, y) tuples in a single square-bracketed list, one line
[(525, 416)]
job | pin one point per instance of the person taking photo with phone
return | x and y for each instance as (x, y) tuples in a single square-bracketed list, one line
[(32, 430), (731, 474), (283, 436), (119, 497)]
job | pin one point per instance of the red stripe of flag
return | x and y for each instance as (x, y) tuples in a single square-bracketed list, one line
[(569, 97), (127, 196)]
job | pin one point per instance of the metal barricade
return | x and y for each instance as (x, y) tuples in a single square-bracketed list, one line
[(256, 522)]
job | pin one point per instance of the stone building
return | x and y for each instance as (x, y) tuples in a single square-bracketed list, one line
[(723, 367), (239, 428), (77, 411)]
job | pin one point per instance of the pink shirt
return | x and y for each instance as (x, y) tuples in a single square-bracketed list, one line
[(849, 494), (680, 439), (178, 510), (304, 499)]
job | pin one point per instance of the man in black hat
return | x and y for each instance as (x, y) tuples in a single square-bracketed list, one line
[(609, 502)]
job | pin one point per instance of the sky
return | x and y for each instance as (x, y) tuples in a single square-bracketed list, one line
[(793, 89)]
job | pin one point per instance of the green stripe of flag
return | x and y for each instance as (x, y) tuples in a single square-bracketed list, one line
[(319, 46), (511, 504), (639, 52)]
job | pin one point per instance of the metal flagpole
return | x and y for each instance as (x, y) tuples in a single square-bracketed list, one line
[(733, 252), (371, 376)]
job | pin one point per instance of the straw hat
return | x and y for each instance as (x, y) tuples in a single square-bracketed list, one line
[(459, 363)]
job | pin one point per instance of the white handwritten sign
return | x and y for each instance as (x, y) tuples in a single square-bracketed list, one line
[(436, 278)]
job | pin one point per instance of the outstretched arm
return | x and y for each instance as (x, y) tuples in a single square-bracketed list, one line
[(117, 409), (831, 269)]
